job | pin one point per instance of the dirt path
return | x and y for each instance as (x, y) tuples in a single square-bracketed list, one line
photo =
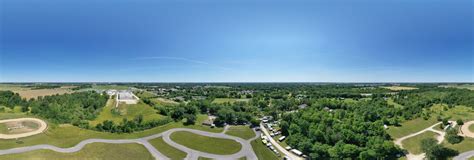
[(440, 139), (465, 129), (42, 127)]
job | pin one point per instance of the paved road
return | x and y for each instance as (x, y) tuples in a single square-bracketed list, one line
[(42, 127), (274, 143), (81, 145), (464, 156), (246, 150)]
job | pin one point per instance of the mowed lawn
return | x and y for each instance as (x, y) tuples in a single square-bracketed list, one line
[(101, 151), (244, 132), (230, 100), (466, 145), (262, 151), (129, 111), (67, 135), (409, 127), (166, 149), (3, 128), (413, 144), (206, 144)]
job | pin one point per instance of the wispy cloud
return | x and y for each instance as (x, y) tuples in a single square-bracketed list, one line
[(188, 60)]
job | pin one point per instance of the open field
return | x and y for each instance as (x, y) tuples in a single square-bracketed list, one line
[(241, 131), (206, 144), (107, 87), (230, 100), (457, 112), (91, 151), (413, 144), (68, 135), (163, 101), (471, 128), (262, 151), (410, 126), (399, 88), (34, 93), (462, 86), (166, 149), (128, 111), (28, 93)]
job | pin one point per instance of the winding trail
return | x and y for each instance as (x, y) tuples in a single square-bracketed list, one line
[(411, 156), (246, 150)]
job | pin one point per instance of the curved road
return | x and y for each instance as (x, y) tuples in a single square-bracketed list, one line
[(246, 150), (464, 156)]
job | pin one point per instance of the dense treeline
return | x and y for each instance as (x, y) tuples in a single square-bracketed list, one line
[(69, 108), (129, 126), (332, 129), (10, 99)]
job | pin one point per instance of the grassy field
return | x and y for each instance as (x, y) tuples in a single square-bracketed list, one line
[(206, 144), (163, 101), (68, 135), (16, 109), (391, 102), (102, 151), (241, 131), (466, 145), (471, 128), (410, 126), (399, 88), (457, 112), (167, 150), (413, 144), (262, 151), (230, 100), (3, 128), (128, 111), (107, 87)]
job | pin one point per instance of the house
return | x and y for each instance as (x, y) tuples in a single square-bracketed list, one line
[(209, 121)]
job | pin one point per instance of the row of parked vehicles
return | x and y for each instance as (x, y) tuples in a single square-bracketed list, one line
[(270, 125)]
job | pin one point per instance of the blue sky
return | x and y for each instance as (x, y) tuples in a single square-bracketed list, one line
[(236, 41)]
